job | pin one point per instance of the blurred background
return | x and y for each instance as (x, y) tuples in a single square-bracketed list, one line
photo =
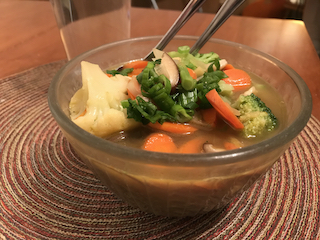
[(305, 10), (292, 9)]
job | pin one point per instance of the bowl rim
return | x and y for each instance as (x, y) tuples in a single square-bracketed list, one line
[(226, 157)]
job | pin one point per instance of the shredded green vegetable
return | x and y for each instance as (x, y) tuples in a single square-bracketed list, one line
[(123, 72), (178, 104), (145, 112)]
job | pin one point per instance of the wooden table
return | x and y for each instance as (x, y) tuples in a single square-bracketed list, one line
[(29, 37)]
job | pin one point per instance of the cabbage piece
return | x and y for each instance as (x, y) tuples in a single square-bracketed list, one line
[(96, 107)]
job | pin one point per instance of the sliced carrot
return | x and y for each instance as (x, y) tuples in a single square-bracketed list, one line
[(238, 78), (232, 143), (223, 109), (158, 142), (192, 73), (136, 64), (230, 146), (173, 127), (109, 75), (210, 116), (192, 146), (136, 71), (228, 66)]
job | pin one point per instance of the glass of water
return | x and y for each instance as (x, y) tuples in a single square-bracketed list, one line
[(86, 24)]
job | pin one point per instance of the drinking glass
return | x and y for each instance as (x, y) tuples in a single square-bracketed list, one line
[(86, 24)]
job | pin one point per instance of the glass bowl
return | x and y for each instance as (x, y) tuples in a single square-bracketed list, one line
[(180, 184)]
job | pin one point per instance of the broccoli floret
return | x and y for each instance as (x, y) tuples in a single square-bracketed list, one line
[(256, 117), (207, 57)]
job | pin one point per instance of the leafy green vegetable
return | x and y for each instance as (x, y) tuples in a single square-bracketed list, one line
[(147, 72), (188, 100), (123, 72), (145, 112), (209, 81), (186, 97), (181, 114), (217, 65), (161, 106)]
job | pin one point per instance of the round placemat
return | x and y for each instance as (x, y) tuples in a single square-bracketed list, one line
[(46, 191)]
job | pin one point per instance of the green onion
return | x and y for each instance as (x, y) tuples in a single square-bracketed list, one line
[(187, 82), (164, 101), (184, 49), (166, 83), (180, 113)]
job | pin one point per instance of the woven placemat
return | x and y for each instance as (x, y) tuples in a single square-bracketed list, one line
[(48, 193)]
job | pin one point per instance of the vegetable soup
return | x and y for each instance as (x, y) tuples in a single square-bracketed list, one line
[(177, 103), (221, 136)]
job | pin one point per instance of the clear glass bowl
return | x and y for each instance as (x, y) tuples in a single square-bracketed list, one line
[(180, 184)]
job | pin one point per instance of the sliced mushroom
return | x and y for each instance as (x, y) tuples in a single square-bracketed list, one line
[(209, 148), (157, 54), (169, 68), (177, 60)]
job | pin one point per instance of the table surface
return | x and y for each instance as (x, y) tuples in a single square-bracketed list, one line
[(29, 37)]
